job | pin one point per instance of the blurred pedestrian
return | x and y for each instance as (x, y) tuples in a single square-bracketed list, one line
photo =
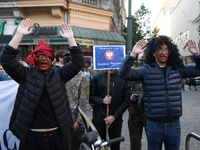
[(162, 78), (3, 76), (192, 82), (183, 83), (118, 101), (1, 69), (41, 117)]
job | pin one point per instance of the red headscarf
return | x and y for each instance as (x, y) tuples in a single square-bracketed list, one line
[(42, 48)]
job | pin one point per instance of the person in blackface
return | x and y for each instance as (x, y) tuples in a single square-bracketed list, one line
[(41, 117), (162, 78)]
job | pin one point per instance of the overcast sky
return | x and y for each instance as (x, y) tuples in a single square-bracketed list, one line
[(153, 5)]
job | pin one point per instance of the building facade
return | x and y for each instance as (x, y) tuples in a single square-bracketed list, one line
[(180, 20), (94, 22)]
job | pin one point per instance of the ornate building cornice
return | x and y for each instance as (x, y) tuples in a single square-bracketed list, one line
[(87, 13)]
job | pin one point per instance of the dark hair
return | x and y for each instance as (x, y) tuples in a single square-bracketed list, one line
[(174, 58), (58, 54)]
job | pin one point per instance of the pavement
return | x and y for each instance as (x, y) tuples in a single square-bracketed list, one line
[(190, 121)]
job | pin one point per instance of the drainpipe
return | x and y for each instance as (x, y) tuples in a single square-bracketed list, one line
[(100, 5), (66, 16)]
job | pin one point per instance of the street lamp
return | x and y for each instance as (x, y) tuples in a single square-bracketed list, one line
[(129, 29)]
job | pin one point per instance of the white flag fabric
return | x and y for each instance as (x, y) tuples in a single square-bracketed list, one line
[(8, 91)]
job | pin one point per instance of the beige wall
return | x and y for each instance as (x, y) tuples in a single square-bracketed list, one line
[(45, 16), (53, 13), (89, 17)]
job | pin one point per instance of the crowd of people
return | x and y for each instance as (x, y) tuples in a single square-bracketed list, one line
[(46, 110)]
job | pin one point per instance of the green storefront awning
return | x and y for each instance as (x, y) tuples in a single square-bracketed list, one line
[(86, 36), (87, 33)]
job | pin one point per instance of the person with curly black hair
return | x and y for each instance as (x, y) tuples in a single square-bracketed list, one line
[(162, 78)]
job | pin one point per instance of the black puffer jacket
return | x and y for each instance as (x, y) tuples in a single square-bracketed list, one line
[(32, 82), (162, 93)]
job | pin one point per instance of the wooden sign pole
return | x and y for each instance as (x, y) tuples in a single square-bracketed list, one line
[(107, 112)]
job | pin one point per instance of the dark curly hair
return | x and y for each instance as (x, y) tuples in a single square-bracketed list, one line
[(174, 59)]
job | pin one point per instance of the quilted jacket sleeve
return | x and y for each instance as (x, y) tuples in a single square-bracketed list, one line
[(11, 65), (128, 73), (74, 66), (191, 70)]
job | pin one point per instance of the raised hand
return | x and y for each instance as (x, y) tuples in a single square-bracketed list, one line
[(67, 31), (138, 48), (23, 28), (68, 34), (193, 47)]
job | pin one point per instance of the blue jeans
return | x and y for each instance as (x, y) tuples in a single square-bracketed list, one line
[(159, 132)]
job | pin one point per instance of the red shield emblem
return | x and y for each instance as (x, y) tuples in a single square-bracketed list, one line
[(109, 55)]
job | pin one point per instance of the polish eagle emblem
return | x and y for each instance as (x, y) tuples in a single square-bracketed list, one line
[(109, 55)]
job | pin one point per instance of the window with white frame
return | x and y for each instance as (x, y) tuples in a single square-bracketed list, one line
[(90, 2)]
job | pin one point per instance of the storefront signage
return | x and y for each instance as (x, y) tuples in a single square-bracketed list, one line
[(44, 30), (50, 41), (182, 38)]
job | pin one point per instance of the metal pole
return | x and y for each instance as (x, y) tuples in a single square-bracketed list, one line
[(129, 29), (187, 139)]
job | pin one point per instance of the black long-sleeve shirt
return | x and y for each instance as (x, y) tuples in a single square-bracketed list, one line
[(119, 91)]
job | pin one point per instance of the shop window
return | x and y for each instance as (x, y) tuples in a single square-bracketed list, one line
[(90, 2)]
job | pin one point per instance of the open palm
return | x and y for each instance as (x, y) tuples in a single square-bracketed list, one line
[(23, 28), (139, 47), (67, 31), (193, 47)]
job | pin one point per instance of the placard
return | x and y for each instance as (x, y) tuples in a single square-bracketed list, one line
[(108, 57)]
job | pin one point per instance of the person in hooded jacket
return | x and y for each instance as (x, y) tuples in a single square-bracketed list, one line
[(41, 116), (161, 77)]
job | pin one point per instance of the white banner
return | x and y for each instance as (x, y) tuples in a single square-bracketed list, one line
[(8, 91)]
